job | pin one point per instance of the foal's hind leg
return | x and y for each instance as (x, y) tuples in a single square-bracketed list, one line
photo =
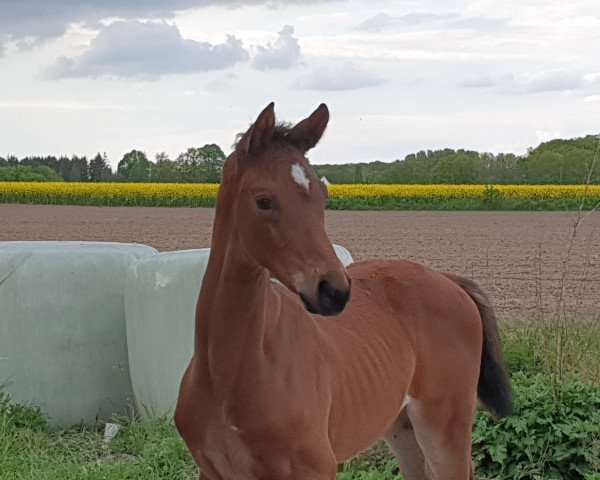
[(401, 440), (443, 431)]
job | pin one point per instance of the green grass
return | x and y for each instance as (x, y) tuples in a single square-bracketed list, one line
[(459, 204), (530, 347), (555, 419), (29, 449), (339, 203)]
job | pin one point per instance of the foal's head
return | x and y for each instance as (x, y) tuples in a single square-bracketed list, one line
[(277, 203)]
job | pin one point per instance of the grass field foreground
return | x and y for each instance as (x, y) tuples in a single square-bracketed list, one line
[(343, 197), (554, 434)]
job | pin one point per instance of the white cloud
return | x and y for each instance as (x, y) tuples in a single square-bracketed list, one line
[(483, 81), (548, 81), (464, 74), (554, 80), (337, 78), (382, 21), (592, 78), (147, 50), (479, 23), (281, 55), (31, 22), (33, 105), (376, 23), (544, 135)]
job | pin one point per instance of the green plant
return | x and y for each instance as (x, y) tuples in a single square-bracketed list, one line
[(15, 416), (545, 437), (378, 457), (492, 198), (386, 469)]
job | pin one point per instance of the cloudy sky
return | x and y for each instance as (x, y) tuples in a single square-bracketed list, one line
[(81, 76)]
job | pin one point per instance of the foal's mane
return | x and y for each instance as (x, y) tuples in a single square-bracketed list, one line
[(280, 135)]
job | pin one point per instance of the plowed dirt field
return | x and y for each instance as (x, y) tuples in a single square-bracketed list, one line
[(520, 258)]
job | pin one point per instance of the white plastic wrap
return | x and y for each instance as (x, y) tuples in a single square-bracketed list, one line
[(62, 327), (343, 254), (161, 293)]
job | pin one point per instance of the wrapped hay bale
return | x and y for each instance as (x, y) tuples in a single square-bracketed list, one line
[(160, 303), (62, 327)]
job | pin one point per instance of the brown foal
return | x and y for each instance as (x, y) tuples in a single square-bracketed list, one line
[(289, 379)]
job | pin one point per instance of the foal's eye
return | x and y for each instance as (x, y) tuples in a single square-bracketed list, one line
[(264, 203)]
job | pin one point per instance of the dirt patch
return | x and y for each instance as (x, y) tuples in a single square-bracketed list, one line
[(517, 257)]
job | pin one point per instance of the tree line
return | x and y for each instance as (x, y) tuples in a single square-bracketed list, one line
[(195, 165), (554, 162)]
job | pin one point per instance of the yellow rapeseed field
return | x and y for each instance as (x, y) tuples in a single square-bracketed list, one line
[(178, 194), (460, 191), (140, 190), (87, 193)]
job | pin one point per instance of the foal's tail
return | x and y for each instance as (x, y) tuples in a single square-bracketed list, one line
[(493, 387)]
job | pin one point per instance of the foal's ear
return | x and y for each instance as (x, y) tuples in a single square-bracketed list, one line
[(261, 131), (309, 131)]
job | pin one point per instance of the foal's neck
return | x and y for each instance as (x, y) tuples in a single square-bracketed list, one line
[(232, 311)]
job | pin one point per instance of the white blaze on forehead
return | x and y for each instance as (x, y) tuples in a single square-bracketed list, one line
[(299, 176)]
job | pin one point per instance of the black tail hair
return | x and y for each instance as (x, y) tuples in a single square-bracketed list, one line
[(493, 388)]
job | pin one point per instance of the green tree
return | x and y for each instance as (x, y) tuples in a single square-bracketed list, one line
[(77, 169), (455, 169), (563, 161), (545, 167), (504, 169), (24, 173), (99, 169), (164, 169), (358, 174), (64, 167), (214, 159), (134, 167), (201, 165), (74, 174)]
